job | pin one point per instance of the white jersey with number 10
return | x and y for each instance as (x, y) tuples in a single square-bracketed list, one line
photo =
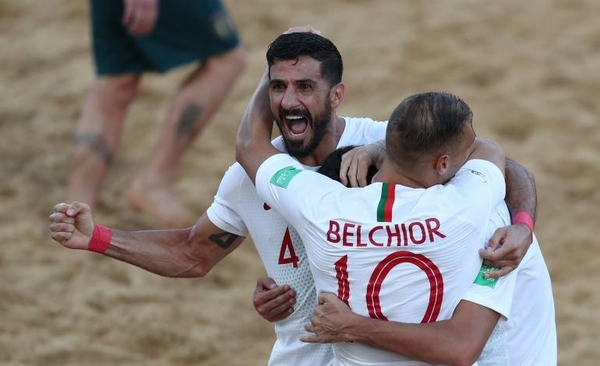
[(391, 252)]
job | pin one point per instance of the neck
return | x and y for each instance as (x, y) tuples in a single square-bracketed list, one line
[(328, 144), (394, 174)]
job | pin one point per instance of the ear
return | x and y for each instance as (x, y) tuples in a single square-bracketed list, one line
[(336, 95), (442, 163)]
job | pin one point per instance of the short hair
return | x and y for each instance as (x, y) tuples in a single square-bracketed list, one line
[(331, 164), (426, 124), (290, 46)]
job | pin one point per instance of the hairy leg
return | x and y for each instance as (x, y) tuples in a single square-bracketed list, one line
[(198, 98), (98, 134)]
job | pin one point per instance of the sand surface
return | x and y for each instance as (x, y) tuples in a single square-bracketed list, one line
[(529, 69)]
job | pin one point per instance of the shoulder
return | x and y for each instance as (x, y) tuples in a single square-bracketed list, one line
[(362, 130), (483, 169), (363, 122)]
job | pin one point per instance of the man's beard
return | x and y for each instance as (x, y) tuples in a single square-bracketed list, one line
[(320, 123)]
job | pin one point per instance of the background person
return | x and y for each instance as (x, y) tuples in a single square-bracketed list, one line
[(133, 37)]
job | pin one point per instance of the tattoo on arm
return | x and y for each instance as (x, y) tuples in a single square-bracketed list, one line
[(187, 121), (97, 143), (224, 239)]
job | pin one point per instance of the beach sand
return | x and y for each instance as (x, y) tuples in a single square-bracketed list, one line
[(528, 69)]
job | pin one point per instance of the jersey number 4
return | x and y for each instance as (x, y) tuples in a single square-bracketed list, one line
[(436, 282), (287, 254)]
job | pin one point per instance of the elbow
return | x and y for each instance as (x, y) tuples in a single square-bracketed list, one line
[(192, 270), (200, 270), (466, 353), (242, 148)]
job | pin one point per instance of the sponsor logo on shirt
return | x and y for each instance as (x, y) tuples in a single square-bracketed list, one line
[(483, 177), (484, 281), (284, 176)]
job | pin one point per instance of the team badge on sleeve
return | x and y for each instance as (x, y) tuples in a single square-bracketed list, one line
[(484, 281), (284, 176)]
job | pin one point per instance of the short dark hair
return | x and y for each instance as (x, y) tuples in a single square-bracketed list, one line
[(331, 164), (425, 124), (291, 46)]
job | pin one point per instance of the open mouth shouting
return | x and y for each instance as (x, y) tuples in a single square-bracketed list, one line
[(296, 125)]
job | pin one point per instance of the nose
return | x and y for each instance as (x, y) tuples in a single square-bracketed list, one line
[(290, 99)]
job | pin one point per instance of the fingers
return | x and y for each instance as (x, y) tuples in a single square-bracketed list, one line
[(140, 16), (503, 271), (273, 302), (499, 257), (497, 239), (354, 167), (325, 297), (505, 259), (302, 29), (76, 207), (312, 338), (265, 283), (61, 227)]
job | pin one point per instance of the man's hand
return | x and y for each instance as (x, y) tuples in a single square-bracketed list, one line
[(506, 249), (273, 302), (356, 163), (329, 321), (302, 29), (140, 16), (71, 225)]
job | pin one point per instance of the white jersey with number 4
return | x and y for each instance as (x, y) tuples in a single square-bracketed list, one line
[(391, 252), (238, 209)]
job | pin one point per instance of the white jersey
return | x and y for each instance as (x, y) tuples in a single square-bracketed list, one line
[(391, 252), (526, 332), (239, 210)]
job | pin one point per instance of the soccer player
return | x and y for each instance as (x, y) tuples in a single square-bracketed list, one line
[(310, 130), (404, 248), (517, 311)]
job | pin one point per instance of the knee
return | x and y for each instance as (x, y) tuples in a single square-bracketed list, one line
[(232, 62), (238, 57), (116, 92)]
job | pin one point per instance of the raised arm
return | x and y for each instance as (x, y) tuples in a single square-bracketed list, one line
[(189, 252), (253, 143)]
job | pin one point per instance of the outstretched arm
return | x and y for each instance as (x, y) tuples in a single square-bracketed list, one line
[(189, 252), (457, 341)]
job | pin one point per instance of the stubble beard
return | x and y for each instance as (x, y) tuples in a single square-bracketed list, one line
[(320, 124)]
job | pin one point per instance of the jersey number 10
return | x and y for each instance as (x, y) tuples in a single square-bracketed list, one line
[(436, 282)]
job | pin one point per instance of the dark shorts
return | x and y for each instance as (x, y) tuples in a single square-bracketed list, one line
[(186, 31)]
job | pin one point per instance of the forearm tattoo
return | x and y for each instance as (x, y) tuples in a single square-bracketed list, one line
[(187, 121), (224, 239), (95, 142)]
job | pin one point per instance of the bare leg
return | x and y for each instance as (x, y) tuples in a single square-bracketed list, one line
[(98, 134), (198, 98)]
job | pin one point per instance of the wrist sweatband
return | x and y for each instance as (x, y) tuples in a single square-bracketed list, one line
[(100, 240), (523, 217)]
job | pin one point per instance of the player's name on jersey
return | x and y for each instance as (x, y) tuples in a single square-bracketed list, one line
[(385, 235)]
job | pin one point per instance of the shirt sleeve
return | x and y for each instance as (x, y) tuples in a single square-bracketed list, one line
[(223, 212), (295, 192), (493, 294), (477, 181)]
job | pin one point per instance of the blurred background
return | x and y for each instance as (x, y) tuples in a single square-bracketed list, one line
[(530, 71)]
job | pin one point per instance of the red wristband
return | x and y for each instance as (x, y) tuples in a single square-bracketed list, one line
[(100, 240), (523, 217)]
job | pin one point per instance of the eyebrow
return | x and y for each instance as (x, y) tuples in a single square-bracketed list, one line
[(305, 80)]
